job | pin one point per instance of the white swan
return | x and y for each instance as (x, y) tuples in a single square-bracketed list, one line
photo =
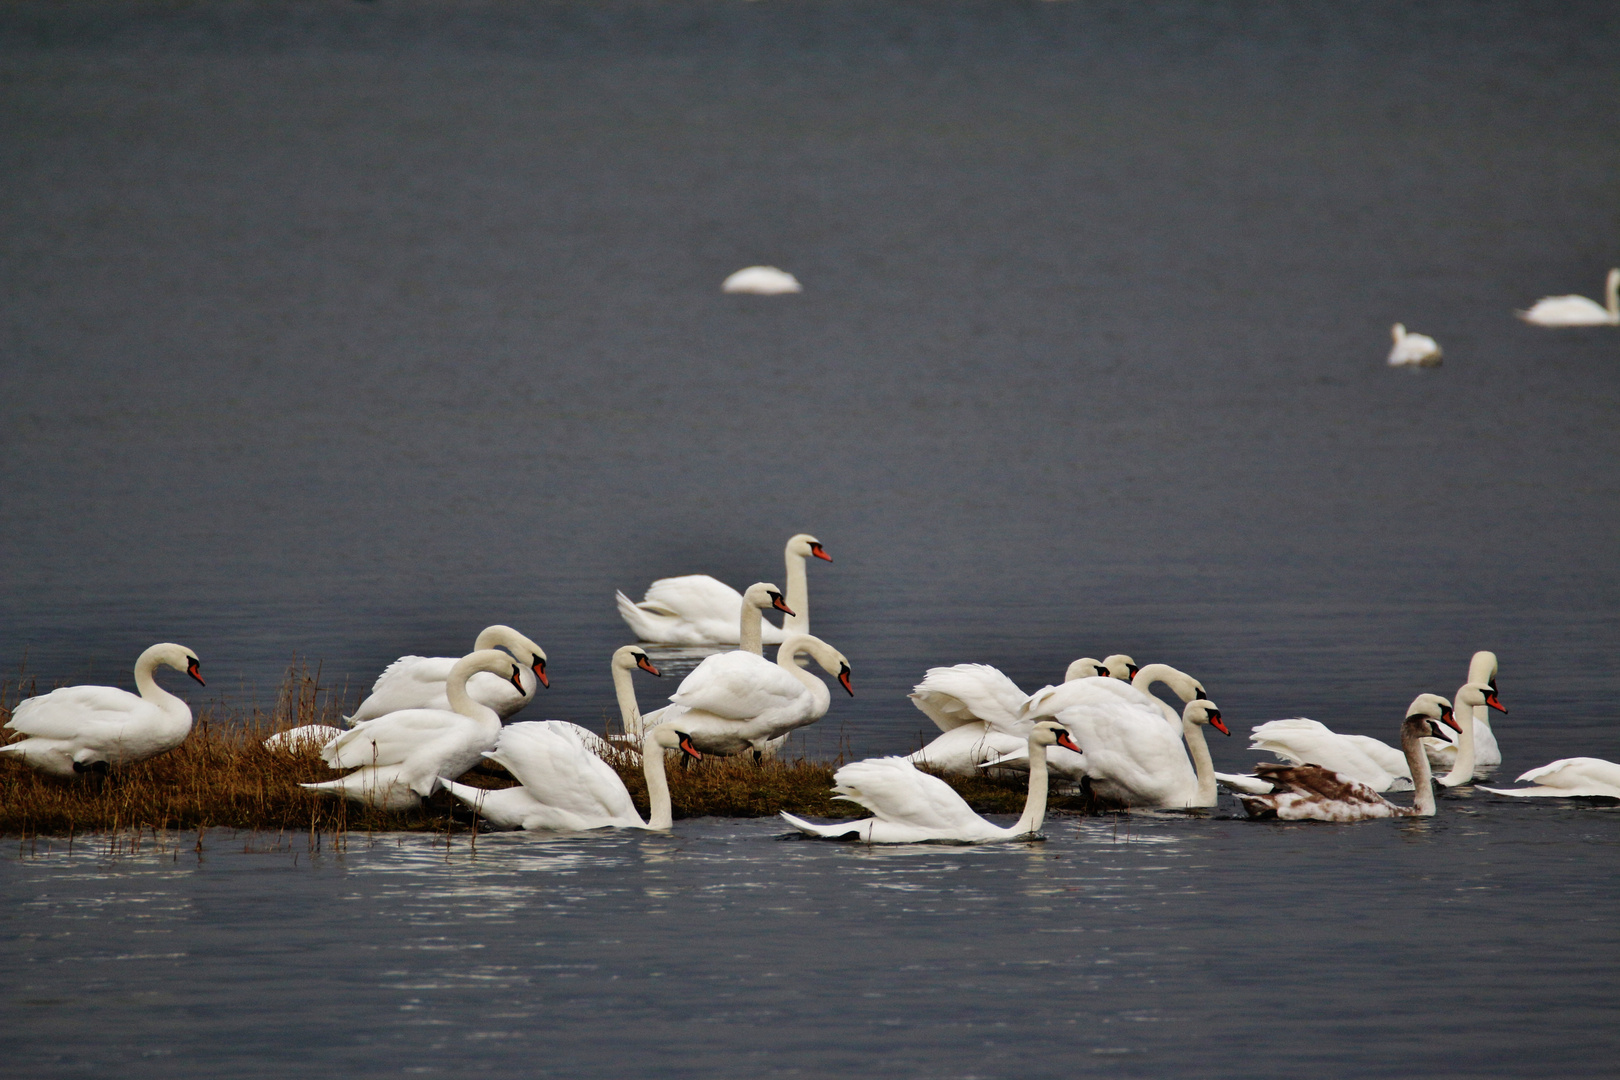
[(910, 807), (1132, 757), (1577, 310), (1120, 667), (736, 701), (1463, 769), (976, 708), (1487, 753), (77, 729), (418, 682), (1413, 350), (751, 624), (566, 786), (626, 658), (398, 758), (1312, 793), (1569, 778), (761, 281), (698, 610), (1300, 741)]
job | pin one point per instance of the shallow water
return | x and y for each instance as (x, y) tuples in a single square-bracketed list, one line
[(342, 330)]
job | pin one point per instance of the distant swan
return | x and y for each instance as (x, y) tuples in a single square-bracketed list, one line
[(78, 729), (1413, 350), (1312, 793), (1577, 310), (696, 609), (761, 281), (418, 682), (1569, 778), (911, 807)]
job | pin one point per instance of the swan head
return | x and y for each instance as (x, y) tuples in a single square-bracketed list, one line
[(1482, 668), (527, 652), (1052, 733), (831, 660), (1433, 707), (1085, 668), (1184, 685), (804, 545), (762, 594), (491, 660), (1479, 694), (1397, 332), (665, 737), (631, 656), (1204, 711), (1121, 666), (178, 657)]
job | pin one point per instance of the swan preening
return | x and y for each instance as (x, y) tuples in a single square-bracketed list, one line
[(1413, 350), (1313, 793), (419, 682), (910, 807), (78, 729), (696, 609), (761, 281), (1568, 778), (1577, 310)]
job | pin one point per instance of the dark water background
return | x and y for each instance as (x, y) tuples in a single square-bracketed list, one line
[(341, 330)]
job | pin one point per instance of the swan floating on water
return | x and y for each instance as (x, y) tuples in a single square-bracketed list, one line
[(1568, 778), (76, 729), (1577, 310), (418, 682), (761, 281), (1487, 754), (1413, 350)]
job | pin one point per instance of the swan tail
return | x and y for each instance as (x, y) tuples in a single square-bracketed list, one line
[(642, 618), (466, 793), (847, 828), (1247, 785)]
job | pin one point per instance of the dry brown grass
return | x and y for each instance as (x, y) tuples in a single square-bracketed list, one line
[(222, 776)]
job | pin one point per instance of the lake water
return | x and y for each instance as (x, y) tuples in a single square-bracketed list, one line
[(339, 331)]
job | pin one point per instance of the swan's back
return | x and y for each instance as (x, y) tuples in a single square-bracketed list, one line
[(1566, 311), (1580, 777), (422, 682), (1313, 793), (897, 794), (964, 693), (739, 686), (400, 736), (553, 762), (1308, 742), (80, 712)]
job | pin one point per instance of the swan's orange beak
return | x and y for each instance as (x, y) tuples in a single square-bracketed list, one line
[(688, 749), (1067, 743), (1218, 724), (779, 604), (819, 552), (191, 669), (1495, 702), (1449, 719), (646, 665), (843, 680), (540, 673)]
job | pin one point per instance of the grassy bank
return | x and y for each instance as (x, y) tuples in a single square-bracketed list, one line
[(222, 776)]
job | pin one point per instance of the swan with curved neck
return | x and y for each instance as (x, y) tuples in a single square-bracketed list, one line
[(625, 660), (1577, 310), (565, 786), (418, 682), (910, 807), (1482, 669), (1469, 695), (696, 609), (77, 729), (758, 597), (1312, 793), (398, 758), (976, 708)]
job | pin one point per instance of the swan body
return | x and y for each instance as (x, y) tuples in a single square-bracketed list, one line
[(418, 682), (910, 807), (1413, 350), (1365, 760), (565, 785), (302, 738), (78, 729), (1577, 310), (761, 281), (1569, 778), (976, 708), (1482, 668), (696, 609), (398, 758), (735, 701), (1313, 793), (964, 750), (1465, 768)]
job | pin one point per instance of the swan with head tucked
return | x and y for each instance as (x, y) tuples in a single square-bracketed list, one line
[(976, 706), (564, 784), (419, 682), (1568, 778), (1487, 753), (398, 758), (77, 729), (698, 610), (1312, 793), (1413, 350), (735, 701), (910, 807), (1577, 310)]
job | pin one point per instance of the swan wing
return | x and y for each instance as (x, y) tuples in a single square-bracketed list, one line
[(389, 740), (1128, 745), (694, 596), (896, 793), (91, 714), (1307, 742), (1566, 311), (1317, 782), (962, 750), (737, 686), (557, 769), (953, 696)]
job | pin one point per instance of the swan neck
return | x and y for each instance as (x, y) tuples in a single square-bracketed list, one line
[(1203, 766), (624, 688), (455, 689), (1613, 298), (660, 814), (787, 660), (1422, 778), (798, 596), (146, 681), (1180, 683), (751, 631), (1462, 770), (1035, 803)]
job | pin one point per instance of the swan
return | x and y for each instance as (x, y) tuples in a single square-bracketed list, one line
[(1132, 758), (736, 701), (751, 626), (761, 281), (698, 610), (626, 658), (1487, 754), (1413, 350), (1569, 778), (1312, 793), (76, 729), (910, 807), (398, 758), (305, 737), (976, 708), (1577, 310), (565, 786), (1469, 696), (1120, 667), (418, 682)]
